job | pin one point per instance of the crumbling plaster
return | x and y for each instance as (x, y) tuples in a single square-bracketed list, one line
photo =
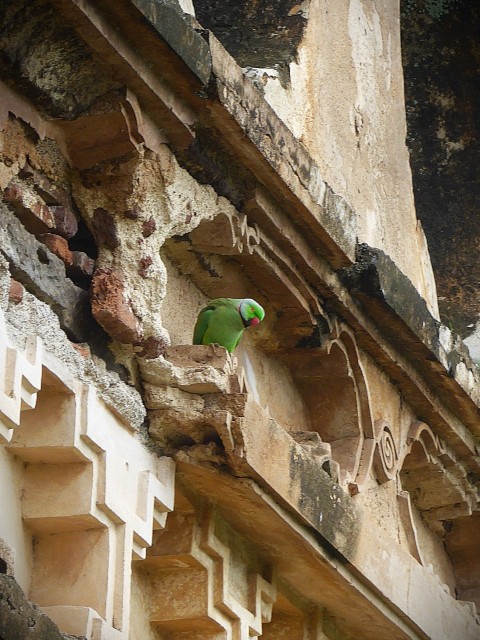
[(378, 505), (236, 454), (356, 130)]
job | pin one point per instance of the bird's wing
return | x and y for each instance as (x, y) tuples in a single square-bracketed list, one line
[(202, 324), (225, 327)]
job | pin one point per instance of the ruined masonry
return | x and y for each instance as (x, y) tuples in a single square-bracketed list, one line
[(322, 483)]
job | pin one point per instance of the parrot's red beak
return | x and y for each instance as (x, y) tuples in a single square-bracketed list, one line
[(254, 321)]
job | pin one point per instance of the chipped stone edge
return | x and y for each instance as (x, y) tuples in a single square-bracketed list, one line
[(31, 316), (236, 94), (375, 278)]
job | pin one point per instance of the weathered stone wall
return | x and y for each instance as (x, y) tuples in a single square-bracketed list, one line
[(20, 619), (440, 54), (344, 101), (316, 482)]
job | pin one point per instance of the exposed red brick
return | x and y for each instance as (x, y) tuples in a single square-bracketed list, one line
[(83, 263), (52, 193), (153, 348), (148, 227), (83, 350), (65, 221), (132, 214), (144, 264), (111, 309), (36, 217), (58, 246), (16, 291), (43, 213), (105, 228)]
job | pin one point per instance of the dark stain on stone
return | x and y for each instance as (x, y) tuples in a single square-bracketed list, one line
[(210, 161), (148, 227), (69, 78), (382, 288), (323, 503), (206, 265), (21, 619), (105, 228), (256, 34), (132, 214), (441, 58)]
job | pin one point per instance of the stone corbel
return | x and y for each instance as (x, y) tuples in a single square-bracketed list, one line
[(192, 395), (229, 233), (438, 484), (21, 376)]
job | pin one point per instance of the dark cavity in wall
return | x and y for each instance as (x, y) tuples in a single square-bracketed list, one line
[(441, 58), (46, 60), (257, 33)]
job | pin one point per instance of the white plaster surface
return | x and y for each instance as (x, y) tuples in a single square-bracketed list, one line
[(346, 104)]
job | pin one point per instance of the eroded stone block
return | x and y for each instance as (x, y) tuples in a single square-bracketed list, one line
[(110, 306), (42, 273), (196, 369)]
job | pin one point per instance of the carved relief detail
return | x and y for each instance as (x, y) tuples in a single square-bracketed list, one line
[(92, 493), (333, 384), (438, 483), (228, 234), (385, 458), (227, 594), (20, 375)]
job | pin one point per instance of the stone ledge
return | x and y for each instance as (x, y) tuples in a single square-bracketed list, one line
[(304, 556), (184, 40), (391, 300)]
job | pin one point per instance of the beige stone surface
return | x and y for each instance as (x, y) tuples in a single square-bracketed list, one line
[(310, 486), (346, 105), (89, 495)]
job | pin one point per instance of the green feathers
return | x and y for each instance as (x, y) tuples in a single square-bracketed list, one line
[(223, 321)]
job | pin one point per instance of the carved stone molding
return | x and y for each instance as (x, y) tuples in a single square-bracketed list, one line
[(20, 375), (379, 455), (385, 458), (228, 589), (332, 383), (92, 494), (438, 483), (268, 270), (229, 233)]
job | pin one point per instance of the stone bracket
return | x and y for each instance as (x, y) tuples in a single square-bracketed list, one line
[(92, 493), (21, 375)]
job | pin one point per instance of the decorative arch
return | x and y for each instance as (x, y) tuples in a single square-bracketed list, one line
[(332, 383), (435, 479)]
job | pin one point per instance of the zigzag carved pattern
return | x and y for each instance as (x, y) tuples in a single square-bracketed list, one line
[(20, 380)]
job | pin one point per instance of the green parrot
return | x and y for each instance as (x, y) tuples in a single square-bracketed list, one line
[(223, 321)]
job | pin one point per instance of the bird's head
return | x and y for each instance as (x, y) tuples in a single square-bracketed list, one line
[(251, 312)]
